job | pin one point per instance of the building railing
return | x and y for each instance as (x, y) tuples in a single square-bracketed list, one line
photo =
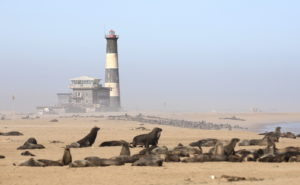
[(80, 86)]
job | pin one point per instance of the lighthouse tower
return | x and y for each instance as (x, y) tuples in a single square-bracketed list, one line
[(112, 70)]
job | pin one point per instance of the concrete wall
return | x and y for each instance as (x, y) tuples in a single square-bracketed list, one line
[(82, 96), (63, 98)]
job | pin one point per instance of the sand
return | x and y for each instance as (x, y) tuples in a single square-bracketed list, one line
[(69, 130)]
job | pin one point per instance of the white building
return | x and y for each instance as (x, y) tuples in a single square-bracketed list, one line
[(87, 95)]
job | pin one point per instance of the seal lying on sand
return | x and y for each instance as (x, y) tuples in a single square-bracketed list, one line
[(149, 160), (258, 142), (205, 142), (147, 139), (87, 140), (112, 143), (125, 155), (27, 153), (185, 151), (32, 162), (31, 143), (66, 159), (276, 134), (12, 133), (95, 161), (2, 156), (288, 135)]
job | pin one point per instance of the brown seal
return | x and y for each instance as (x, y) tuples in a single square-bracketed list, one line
[(67, 157), (147, 139), (87, 141)]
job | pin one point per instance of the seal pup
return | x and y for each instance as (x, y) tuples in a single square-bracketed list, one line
[(67, 157), (125, 151), (147, 139), (27, 153)]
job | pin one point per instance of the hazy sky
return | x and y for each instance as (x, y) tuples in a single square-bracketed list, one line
[(174, 55)]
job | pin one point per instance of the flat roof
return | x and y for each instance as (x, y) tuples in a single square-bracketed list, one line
[(84, 78)]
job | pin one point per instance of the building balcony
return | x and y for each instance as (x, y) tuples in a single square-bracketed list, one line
[(84, 86)]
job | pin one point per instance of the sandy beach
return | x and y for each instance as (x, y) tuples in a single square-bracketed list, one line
[(69, 130)]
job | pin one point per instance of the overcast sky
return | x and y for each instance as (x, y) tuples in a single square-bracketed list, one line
[(173, 55)]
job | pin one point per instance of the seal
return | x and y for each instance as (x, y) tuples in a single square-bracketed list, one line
[(11, 133), (27, 153), (67, 157), (147, 139), (66, 160), (125, 151), (32, 162), (229, 149), (112, 143), (87, 141), (209, 142), (149, 160), (31, 143), (96, 161), (275, 134)]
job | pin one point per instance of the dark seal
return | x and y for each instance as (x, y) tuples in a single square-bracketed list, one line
[(147, 139), (87, 141)]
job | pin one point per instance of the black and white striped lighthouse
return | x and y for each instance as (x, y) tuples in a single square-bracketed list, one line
[(112, 70)]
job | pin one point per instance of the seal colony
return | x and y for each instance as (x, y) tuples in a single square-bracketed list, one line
[(152, 154)]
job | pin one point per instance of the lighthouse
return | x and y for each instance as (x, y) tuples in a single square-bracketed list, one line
[(112, 70)]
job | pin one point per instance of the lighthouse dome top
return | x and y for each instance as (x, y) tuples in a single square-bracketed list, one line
[(111, 34)]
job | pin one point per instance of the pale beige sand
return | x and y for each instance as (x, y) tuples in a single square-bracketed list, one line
[(69, 130)]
